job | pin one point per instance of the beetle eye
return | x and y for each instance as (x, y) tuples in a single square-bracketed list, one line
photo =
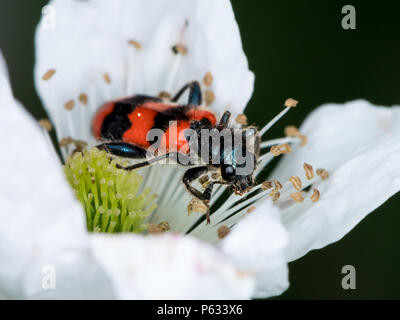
[(229, 170)]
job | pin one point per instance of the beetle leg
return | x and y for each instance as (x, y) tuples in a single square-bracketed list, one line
[(180, 158), (224, 121), (195, 97), (193, 174), (123, 149)]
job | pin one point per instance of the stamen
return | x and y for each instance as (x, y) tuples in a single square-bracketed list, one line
[(223, 232), (165, 95), (278, 185), (136, 44), (69, 105), (47, 76), (292, 131), (179, 48), (296, 182), (274, 194), (315, 196), (251, 209), (215, 175), (297, 196), (204, 179), (65, 141), (164, 226), (196, 205), (323, 174), (309, 171), (289, 103), (209, 97), (208, 79), (281, 149), (266, 185), (106, 78), (45, 124), (241, 119), (159, 228), (83, 99), (270, 143)]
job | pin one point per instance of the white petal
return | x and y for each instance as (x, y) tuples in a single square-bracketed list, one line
[(358, 186), (3, 67), (91, 37), (41, 222), (334, 132), (169, 267), (258, 243)]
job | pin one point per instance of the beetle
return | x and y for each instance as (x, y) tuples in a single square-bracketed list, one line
[(123, 126)]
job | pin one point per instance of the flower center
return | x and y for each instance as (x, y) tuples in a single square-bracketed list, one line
[(112, 198)]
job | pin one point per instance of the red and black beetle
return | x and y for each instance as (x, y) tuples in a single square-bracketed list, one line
[(124, 125)]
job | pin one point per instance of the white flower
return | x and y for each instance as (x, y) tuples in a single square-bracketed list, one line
[(97, 58)]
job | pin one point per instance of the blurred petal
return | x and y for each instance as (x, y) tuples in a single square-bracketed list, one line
[(359, 146), (169, 267), (91, 38), (257, 244), (41, 222)]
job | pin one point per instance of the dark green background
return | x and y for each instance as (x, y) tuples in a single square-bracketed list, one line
[(296, 49)]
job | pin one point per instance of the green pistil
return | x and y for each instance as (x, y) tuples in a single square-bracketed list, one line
[(110, 196)]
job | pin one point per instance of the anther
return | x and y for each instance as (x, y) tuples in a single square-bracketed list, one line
[(251, 209), (292, 131), (297, 196), (241, 119), (274, 194), (66, 141), (315, 196), (204, 179), (196, 205), (215, 175), (285, 148), (83, 99), (45, 124), (158, 228), (278, 185), (69, 105), (280, 149), (136, 44), (208, 79), (266, 185), (179, 48), (209, 97), (296, 182), (291, 103), (164, 95), (309, 171), (223, 231), (106, 78), (164, 226), (48, 74), (153, 228), (276, 151), (323, 174)]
